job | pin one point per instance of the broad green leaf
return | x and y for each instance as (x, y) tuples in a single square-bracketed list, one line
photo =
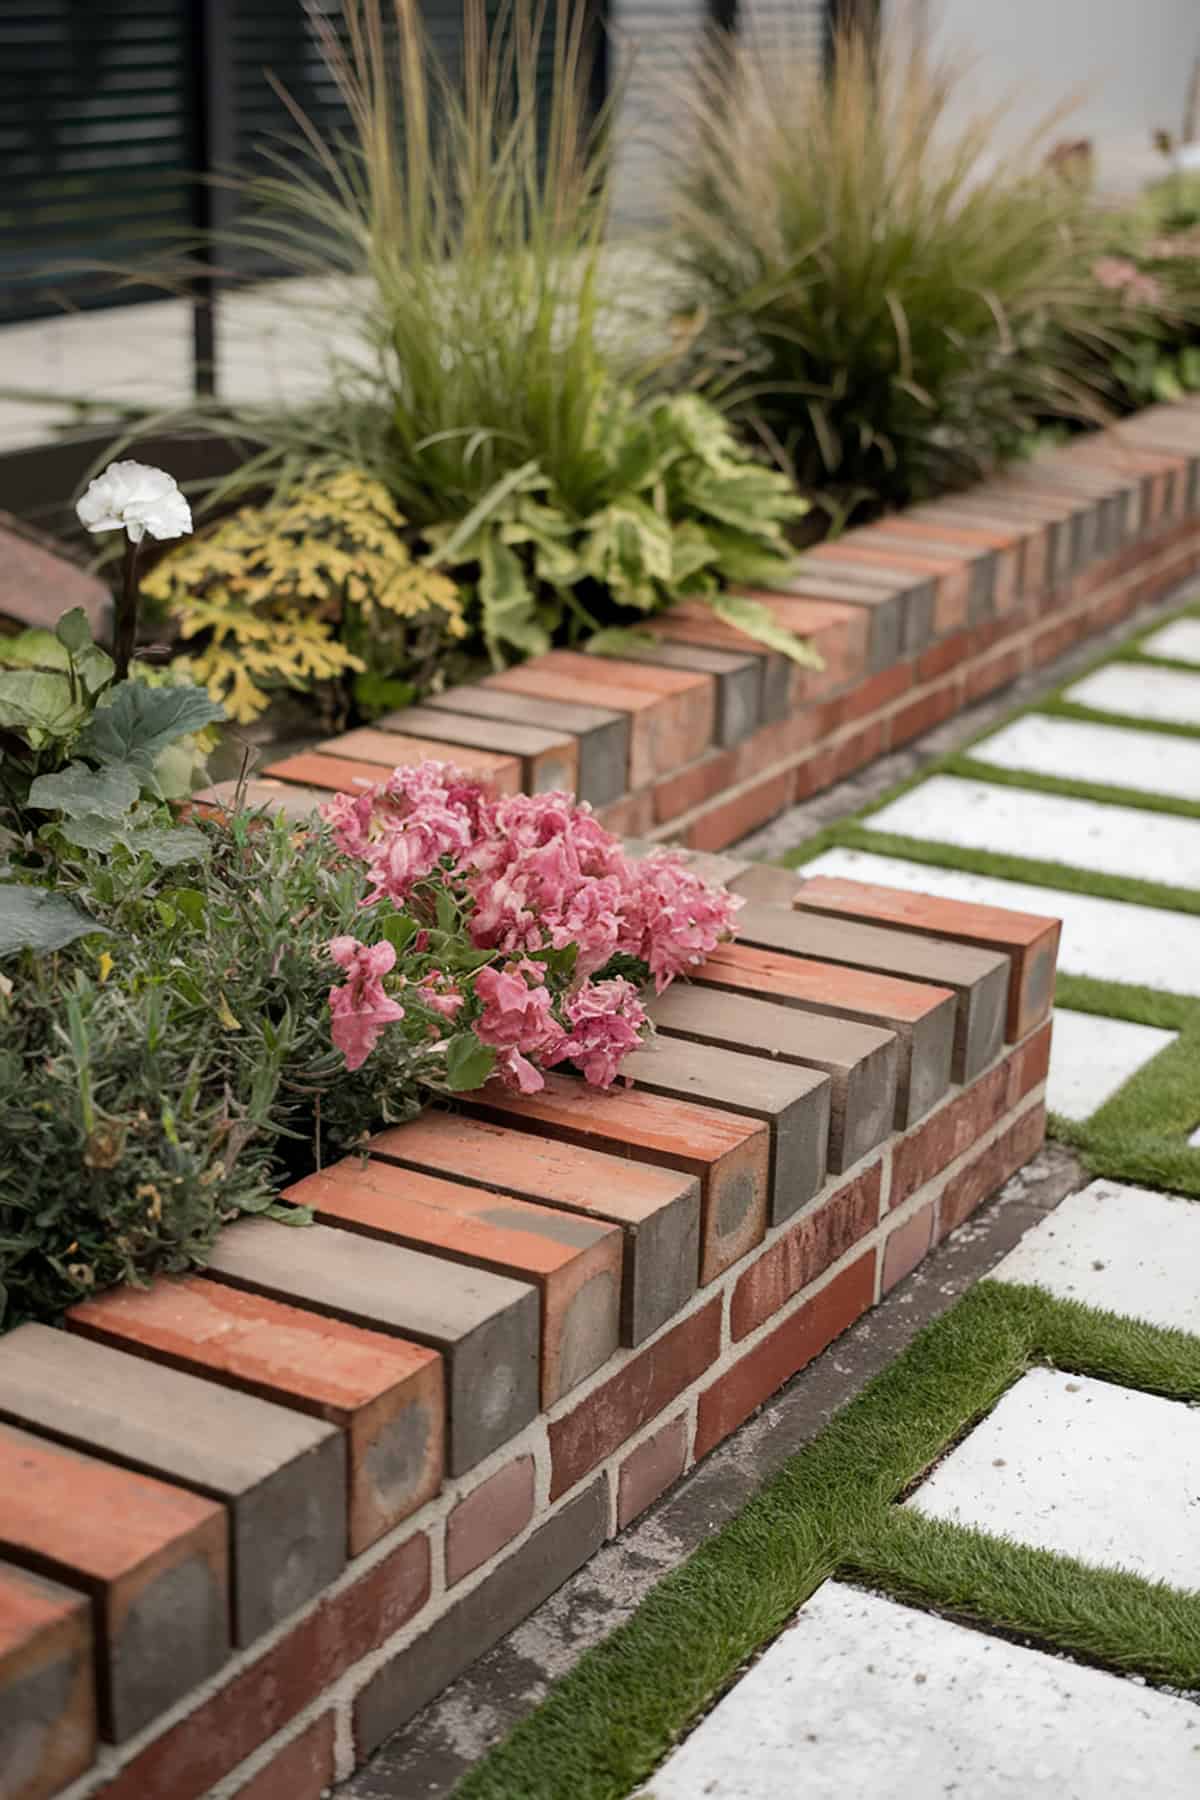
[(37, 703), (446, 912), (78, 791), (34, 649), (400, 930), (95, 668), (36, 919), (91, 833), (191, 903), (506, 600), (170, 845), (73, 630), (621, 640), (752, 617), (469, 1062), (138, 722)]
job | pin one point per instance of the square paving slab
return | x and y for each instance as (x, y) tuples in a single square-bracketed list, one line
[(1086, 1469), (1107, 754), (1165, 696), (1122, 1249), (1111, 939), (1092, 1057), (1180, 639), (1112, 840), (864, 1699)]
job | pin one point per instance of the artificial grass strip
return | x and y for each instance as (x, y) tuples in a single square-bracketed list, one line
[(831, 1509), (970, 768), (1055, 708)]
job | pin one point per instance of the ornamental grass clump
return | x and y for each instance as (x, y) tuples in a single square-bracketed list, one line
[(885, 289)]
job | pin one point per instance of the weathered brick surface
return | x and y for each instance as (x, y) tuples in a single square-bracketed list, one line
[(574, 1263), (922, 1017), (783, 1352), (971, 1185), (188, 1759), (649, 1471), (302, 1770), (1029, 1063), (386, 1395), (739, 678), (47, 1691), (601, 734), (805, 1251), (489, 1517), (980, 978), (38, 585), (508, 1594), (862, 1061), (281, 1475), (658, 1209), (549, 759), (1030, 941), (792, 1102), (906, 1244), (729, 1155), (385, 750), (637, 1393), (152, 1558), (485, 1325), (950, 1132)]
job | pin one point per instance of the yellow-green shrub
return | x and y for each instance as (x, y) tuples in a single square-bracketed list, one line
[(320, 584)]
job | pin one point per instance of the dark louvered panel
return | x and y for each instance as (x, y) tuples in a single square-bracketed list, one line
[(96, 145)]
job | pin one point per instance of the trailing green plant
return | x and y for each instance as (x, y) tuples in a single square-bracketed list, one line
[(1151, 265), (490, 389), (870, 287), (318, 587)]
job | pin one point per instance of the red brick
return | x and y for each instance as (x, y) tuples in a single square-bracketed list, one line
[(1030, 940), (905, 1246), (574, 1263), (871, 696), (673, 713), (637, 1393), (387, 1395), (736, 1394), (331, 773), (153, 1558), (632, 816), (805, 1251), (1029, 1063), (302, 1770), (699, 781), (729, 1155), (490, 1516), (38, 585), (945, 655), (951, 576), (192, 1756), (389, 749), (927, 711), (949, 1133), (47, 1692), (991, 1169), (650, 1470), (992, 672), (735, 814)]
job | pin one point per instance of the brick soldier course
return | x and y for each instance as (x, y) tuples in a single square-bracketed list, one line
[(313, 1483), (250, 1521)]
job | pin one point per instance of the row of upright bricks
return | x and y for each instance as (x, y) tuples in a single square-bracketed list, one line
[(185, 1467), (705, 735)]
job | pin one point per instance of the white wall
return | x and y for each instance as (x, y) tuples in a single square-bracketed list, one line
[(1132, 59)]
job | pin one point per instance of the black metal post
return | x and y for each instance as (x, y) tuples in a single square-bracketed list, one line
[(213, 150)]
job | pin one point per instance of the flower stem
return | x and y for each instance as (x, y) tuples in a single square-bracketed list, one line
[(125, 637)]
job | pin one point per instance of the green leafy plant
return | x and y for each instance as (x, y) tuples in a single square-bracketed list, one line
[(320, 586), (491, 388), (872, 289)]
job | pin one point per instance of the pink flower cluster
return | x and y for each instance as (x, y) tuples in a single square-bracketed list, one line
[(360, 1007), (529, 875), (1120, 275)]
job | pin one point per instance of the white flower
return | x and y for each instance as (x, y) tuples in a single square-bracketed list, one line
[(138, 498)]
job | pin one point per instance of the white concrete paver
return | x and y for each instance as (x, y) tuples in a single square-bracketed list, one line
[(1084, 1468), (1092, 1057), (865, 1699), (1181, 638), (1122, 1249), (1113, 840), (1165, 696), (1074, 751), (1110, 939)]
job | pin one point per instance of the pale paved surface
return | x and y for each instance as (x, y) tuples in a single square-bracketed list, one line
[(1179, 639), (1092, 1058), (864, 1699), (1123, 1249), (1112, 840), (1168, 696), (1110, 755)]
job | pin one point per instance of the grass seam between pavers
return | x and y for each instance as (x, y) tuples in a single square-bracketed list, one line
[(607, 1724)]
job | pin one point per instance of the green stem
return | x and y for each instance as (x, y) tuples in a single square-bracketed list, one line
[(125, 636)]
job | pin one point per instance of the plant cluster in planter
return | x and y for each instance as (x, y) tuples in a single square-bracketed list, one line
[(194, 1010)]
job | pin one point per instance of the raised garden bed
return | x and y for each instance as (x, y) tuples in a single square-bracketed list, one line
[(915, 617)]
